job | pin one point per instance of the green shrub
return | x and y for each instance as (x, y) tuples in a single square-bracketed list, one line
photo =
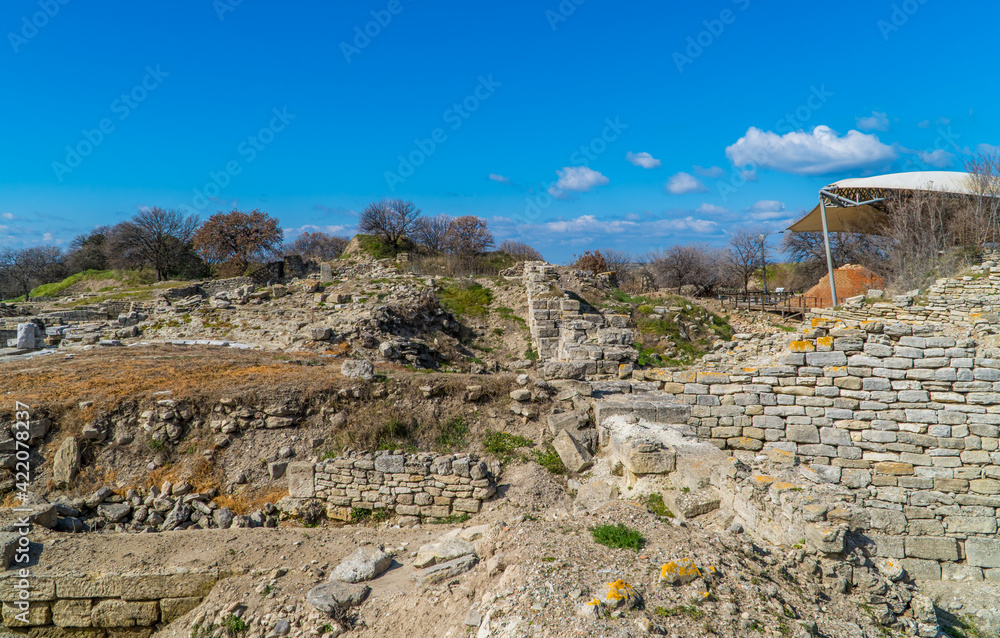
[(234, 624), (549, 459), (618, 536)]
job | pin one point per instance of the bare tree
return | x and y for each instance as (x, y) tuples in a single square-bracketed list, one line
[(26, 268), (317, 246), (747, 253), (519, 250), (679, 265), (808, 252), (390, 220), (979, 220), (87, 251), (155, 237), (468, 235), (921, 230), (617, 260), (432, 232)]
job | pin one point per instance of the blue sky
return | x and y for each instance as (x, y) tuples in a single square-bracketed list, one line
[(570, 125)]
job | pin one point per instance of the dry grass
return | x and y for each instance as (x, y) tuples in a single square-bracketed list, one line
[(244, 502), (108, 377)]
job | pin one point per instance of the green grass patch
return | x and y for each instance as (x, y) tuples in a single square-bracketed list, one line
[(503, 445), (454, 519), (549, 459), (127, 277), (655, 504), (618, 536), (453, 434), (471, 299), (363, 515)]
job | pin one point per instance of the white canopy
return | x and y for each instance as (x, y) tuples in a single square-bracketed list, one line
[(858, 204)]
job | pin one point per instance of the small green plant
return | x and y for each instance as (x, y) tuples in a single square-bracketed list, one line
[(503, 444), (466, 300), (548, 559), (234, 624), (530, 354), (618, 536), (685, 489), (452, 435), (154, 445), (655, 504), (691, 611), (549, 459)]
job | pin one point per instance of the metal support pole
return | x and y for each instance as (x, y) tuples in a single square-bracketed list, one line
[(826, 244)]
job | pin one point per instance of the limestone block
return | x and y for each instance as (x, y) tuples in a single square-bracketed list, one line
[(573, 455), (982, 552), (932, 548), (173, 608), (120, 613), (72, 613), (300, 479), (38, 613)]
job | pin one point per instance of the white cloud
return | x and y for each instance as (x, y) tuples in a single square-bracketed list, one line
[(983, 149), (712, 171), (767, 210), (943, 121), (820, 152), (576, 179), (499, 178), (683, 183), (712, 209), (874, 122), (644, 160), (7, 216), (924, 124), (47, 237), (939, 158), (636, 231)]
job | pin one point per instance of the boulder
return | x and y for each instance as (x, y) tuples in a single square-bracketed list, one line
[(365, 563), (442, 551), (448, 569), (223, 517), (114, 512), (66, 463), (574, 456), (698, 502), (335, 593), (358, 369), (26, 336), (592, 495)]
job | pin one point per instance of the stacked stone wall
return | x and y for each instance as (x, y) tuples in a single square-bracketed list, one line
[(971, 300), (905, 418), (424, 486), (572, 340), (86, 606)]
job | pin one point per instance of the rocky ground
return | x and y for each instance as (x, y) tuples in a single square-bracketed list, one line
[(182, 441)]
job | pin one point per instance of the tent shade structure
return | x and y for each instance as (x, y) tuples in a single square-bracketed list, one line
[(859, 204)]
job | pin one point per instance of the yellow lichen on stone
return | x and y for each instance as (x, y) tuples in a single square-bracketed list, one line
[(750, 369), (801, 346), (620, 593), (826, 342), (679, 571), (764, 480)]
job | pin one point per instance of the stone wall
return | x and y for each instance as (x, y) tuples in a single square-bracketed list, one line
[(414, 486), (904, 417), (88, 606), (572, 340)]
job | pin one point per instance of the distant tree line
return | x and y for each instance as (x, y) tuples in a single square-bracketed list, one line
[(169, 244)]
